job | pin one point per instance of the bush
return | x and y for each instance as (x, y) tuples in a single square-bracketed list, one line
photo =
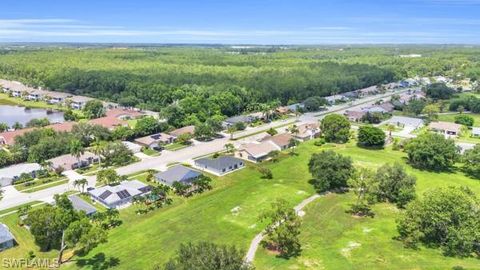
[(330, 170), (369, 136), (335, 128), (432, 151), (465, 120)]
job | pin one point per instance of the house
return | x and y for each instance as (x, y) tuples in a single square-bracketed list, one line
[(10, 174), (16, 93), (69, 162), (56, 97), (6, 90), (354, 116), (78, 102), (8, 137), (307, 131), (372, 90), (220, 165), (282, 110), (256, 152), (385, 107), (124, 114), (81, 205), (135, 148), (238, 119), (177, 173), (120, 195), (476, 132), (155, 141), (296, 107), (181, 131), (108, 122), (335, 98), (446, 128), (282, 141), (35, 95), (6, 238), (402, 121)]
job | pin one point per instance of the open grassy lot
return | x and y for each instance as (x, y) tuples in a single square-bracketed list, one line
[(331, 238), (451, 118), (7, 100)]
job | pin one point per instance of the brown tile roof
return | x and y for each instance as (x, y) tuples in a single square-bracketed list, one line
[(258, 150), (119, 113), (67, 161), (108, 122), (445, 126), (183, 130), (8, 137), (281, 140)]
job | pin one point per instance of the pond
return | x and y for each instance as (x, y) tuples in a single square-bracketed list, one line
[(9, 114)]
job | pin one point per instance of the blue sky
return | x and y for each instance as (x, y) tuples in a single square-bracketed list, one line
[(241, 22)]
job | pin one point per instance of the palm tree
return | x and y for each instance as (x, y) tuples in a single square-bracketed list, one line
[(229, 147), (294, 130), (76, 149), (390, 129), (97, 148), (230, 131), (80, 183)]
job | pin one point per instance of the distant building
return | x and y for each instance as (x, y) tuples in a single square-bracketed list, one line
[(69, 162), (220, 165), (35, 95), (8, 137), (155, 141), (238, 119), (402, 121), (178, 173), (256, 152), (476, 131), (10, 174), (119, 195), (6, 238), (124, 114), (354, 116), (446, 128), (282, 141), (108, 122), (307, 131), (295, 107), (135, 148), (78, 102), (182, 131)]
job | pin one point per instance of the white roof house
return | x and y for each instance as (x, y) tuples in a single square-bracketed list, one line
[(119, 195), (135, 148), (11, 173), (476, 131), (406, 121)]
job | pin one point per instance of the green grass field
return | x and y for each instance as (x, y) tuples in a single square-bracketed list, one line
[(331, 239), (451, 118)]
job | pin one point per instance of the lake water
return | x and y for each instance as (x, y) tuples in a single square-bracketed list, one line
[(10, 114)]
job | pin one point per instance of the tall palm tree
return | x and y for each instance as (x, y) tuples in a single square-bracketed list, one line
[(76, 149), (97, 148), (80, 183)]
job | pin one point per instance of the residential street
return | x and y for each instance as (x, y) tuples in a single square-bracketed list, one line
[(14, 198)]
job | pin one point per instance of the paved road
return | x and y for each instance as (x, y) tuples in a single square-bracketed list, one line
[(14, 198)]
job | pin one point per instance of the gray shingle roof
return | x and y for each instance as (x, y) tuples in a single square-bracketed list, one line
[(177, 173), (80, 205), (237, 119), (5, 234), (218, 163)]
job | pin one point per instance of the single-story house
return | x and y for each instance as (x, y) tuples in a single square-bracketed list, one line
[(256, 152), (476, 131), (282, 110), (464, 146), (109, 122), (6, 237), (16, 93), (78, 102), (385, 107), (119, 195), (69, 162), (11, 173), (81, 205), (354, 116), (402, 121), (447, 128), (56, 97), (124, 114), (35, 95), (295, 107), (181, 131), (238, 119), (282, 141), (8, 137), (335, 98), (135, 148), (178, 173), (156, 140), (220, 165), (307, 131)]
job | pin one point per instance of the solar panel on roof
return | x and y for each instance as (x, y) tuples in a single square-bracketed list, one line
[(123, 194), (105, 195)]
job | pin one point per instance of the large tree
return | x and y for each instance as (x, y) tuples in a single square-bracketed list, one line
[(94, 109), (448, 218), (432, 151), (283, 229), (330, 170), (364, 185), (471, 161), (60, 227), (335, 128), (439, 91), (206, 256), (395, 185), (369, 136)]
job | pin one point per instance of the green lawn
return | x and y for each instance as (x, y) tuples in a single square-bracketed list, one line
[(175, 146), (39, 184), (451, 118), (7, 100), (150, 152), (328, 233)]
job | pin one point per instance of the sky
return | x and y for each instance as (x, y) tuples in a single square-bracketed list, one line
[(242, 22)]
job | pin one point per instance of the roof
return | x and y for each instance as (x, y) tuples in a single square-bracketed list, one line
[(445, 126), (258, 150), (108, 122), (53, 94), (126, 189), (16, 170), (295, 107), (66, 161), (8, 137), (132, 146), (80, 99), (308, 129), (218, 163), (183, 130), (155, 138), (355, 114), (80, 205), (476, 130), (5, 234), (177, 173), (121, 113), (407, 121), (281, 140), (239, 118)]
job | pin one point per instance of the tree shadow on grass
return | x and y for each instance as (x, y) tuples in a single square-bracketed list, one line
[(98, 262)]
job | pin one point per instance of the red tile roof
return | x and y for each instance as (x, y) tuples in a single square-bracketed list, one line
[(8, 137), (108, 122)]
